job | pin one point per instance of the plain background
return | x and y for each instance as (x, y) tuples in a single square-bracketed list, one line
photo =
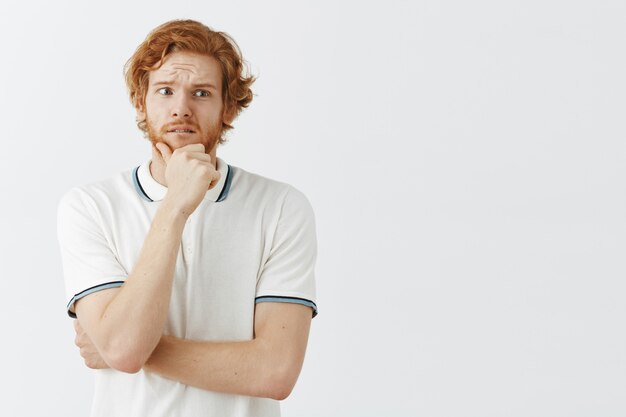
[(465, 160)]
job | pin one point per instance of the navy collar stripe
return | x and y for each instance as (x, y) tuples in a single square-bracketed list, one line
[(138, 186), (222, 196), (226, 189)]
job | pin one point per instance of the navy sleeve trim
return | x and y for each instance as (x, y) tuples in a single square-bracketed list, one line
[(106, 286), (282, 299)]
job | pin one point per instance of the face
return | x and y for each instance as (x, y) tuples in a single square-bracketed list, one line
[(183, 102)]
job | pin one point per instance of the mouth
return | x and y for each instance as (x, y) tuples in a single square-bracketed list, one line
[(181, 129)]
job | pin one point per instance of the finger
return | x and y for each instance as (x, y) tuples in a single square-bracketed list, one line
[(164, 150), (193, 147), (203, 157), (215, 179)]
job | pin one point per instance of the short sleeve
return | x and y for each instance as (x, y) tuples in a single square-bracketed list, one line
[(89, 263), (288, 274)]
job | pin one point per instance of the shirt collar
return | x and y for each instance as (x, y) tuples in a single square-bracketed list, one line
[(149, 189)]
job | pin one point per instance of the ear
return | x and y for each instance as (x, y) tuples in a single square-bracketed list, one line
[(141, 113), (228, 115)]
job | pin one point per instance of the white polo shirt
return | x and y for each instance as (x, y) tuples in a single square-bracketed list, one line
[(250, 240)]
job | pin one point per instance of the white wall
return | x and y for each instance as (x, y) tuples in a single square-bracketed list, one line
[(466, 162)]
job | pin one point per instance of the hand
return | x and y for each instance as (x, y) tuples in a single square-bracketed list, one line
[(88, 351), (189, 173)]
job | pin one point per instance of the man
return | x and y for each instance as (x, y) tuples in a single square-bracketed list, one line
[(192, 281)]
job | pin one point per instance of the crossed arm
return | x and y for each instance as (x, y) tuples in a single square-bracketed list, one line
[(122, 327), (267, 366)]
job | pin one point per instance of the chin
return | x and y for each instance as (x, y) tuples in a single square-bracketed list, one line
[(176, 141)]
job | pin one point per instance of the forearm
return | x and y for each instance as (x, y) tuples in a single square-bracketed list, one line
[(267, 366), (132, 322), (244, 368)]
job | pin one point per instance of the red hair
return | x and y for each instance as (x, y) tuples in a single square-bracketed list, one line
[(190, 36)]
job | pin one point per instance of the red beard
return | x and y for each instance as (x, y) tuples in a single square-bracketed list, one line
[(208, 138)]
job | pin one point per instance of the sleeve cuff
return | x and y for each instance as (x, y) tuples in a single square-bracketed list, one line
[(282, 299), (105, 286)]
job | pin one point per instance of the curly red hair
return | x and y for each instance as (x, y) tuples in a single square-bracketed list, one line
[(190, 36)]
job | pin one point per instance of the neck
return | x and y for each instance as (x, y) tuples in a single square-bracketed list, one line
[(157, 167)]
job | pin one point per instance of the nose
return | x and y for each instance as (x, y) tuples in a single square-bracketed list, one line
[(181, 106)]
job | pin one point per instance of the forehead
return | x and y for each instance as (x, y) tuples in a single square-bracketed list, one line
[(180, 67)]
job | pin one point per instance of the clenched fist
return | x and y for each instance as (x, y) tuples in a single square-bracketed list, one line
[(189, 174), (88, 350)]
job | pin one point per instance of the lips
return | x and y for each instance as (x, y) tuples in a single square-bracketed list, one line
[(181, 129)]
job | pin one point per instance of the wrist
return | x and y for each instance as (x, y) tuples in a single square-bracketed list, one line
[(173, 210)]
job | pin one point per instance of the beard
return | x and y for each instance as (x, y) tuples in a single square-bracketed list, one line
[(209, 137)]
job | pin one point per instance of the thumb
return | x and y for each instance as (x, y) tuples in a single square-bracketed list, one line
[(166, 152)]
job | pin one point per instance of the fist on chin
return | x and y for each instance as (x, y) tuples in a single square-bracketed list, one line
[(188, 173)]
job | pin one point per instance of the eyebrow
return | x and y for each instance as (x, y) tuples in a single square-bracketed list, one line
[(197, 85)]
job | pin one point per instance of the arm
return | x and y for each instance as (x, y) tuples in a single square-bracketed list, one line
[(126, 323), (267, 366)]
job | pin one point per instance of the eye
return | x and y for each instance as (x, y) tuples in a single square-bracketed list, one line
[(164, 91), (201, 93)]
